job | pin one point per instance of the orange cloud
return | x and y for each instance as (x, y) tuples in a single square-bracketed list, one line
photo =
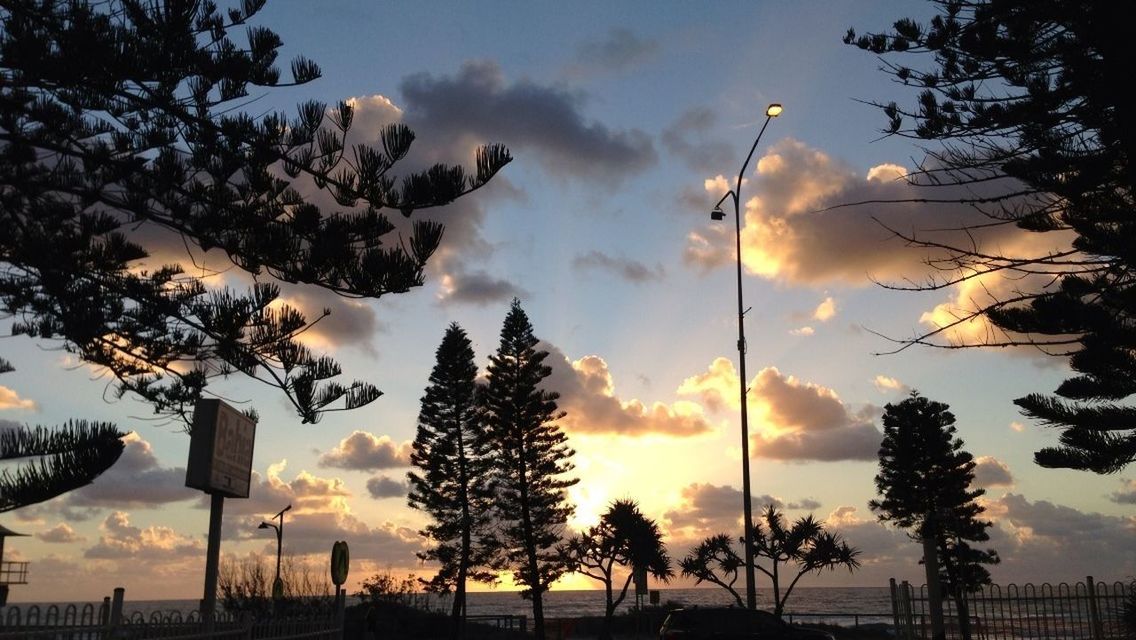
[(9, 399)]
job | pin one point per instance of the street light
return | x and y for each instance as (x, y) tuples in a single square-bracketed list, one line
[(277, 584), (771, 112)]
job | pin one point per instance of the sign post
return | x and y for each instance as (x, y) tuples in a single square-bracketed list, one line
[(220, 464)]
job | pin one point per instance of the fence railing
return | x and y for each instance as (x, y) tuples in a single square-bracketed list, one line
[(1086, 610), (13, 572), (108, 620)]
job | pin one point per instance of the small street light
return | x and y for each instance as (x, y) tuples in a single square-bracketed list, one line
[(771, 112), (277, 584)]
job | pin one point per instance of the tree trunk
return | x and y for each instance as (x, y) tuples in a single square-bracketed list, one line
[(609, 611), (934, 590)]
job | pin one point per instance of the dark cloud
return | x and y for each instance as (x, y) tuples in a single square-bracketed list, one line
[(383, 487), (992, 472), (629, 270), (544, 121), (685, 139), (804, 504), (1127, 495), (363, 451), (618, 50), (1043, 541), (477, 288), (587, 394)]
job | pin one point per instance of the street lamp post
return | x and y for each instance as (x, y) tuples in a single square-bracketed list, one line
[(277, 584), (772, 111)]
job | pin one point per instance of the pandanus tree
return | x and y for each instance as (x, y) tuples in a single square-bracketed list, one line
[(804, 547), (624, 540)]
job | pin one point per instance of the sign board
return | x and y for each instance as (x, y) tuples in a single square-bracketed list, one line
[(220, 450)]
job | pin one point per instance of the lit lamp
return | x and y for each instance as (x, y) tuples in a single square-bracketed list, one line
[(277, 584), (771, 112)]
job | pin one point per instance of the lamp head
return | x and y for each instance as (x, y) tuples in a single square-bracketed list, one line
[(717, 214), (773, 110), (287, 508), (264, 525)]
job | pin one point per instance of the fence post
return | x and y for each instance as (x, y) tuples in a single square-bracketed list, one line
[(1094, 610), (894, 607)]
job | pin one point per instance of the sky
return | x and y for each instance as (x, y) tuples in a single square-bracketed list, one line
[(627, 122)]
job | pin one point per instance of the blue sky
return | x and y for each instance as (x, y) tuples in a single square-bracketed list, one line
[(621, 120)]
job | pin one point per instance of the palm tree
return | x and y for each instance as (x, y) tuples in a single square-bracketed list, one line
[(623, 538)]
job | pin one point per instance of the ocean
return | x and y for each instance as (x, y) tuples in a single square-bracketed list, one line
[(834, 605)]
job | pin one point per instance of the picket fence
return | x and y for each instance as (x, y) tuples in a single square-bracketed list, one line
[(1086, 610), (108, 621)]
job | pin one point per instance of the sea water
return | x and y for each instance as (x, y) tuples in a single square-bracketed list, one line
[(835, 605)]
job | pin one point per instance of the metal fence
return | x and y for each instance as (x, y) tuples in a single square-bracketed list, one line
[(1088, 610), (108, 621)]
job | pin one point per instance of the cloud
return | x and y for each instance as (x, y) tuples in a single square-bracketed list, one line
[(137, 480), (805, 421), (685, 139), (477, 288), (1041, 534), (545, 121), (1017, 426), (619, 50), (61, 533), (120, 541), (9, 399), (805, 504), (826, 310), (706, 509), (802, 331), (886, 384), (717, 388), (793, 234), (1126, 495), (794, 420), (991, 472), (629, 270), (587, 394), (383, 487), (363, 451), (270, 492)]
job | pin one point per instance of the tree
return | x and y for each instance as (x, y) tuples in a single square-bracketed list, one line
[(924, 483), (65, 458), (624, 538), (715, 561), (122, 121), (1033, 124), (532, 460), (805, 544), (454, 488)]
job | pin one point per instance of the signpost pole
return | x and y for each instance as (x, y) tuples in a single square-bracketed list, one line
[(212, 559)]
